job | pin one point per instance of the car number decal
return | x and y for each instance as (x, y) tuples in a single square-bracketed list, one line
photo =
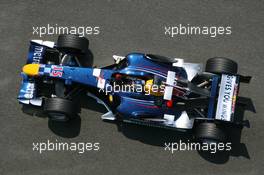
[(56, 71)]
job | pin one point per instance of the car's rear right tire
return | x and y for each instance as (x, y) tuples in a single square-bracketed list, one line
[(221, 65)]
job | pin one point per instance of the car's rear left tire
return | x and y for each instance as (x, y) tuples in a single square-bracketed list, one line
[(60, 109), (208, 132)]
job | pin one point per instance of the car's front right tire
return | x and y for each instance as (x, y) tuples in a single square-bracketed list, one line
[(76, 46)]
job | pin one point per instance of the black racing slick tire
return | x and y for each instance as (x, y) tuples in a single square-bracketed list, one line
[(220, 65), (59, 109), (76, 46), (72, 43), (209, 133)]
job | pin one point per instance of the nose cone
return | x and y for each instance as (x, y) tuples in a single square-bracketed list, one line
[(31, 69)]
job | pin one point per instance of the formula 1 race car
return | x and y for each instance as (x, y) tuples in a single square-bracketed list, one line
[(144, 89)]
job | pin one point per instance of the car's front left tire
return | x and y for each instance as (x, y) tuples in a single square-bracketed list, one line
[(60, 109)]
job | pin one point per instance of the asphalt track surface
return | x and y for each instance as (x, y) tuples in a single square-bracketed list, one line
[(129, 26)]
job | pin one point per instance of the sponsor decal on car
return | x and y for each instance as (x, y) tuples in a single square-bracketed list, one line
[(227, 97), (36, 53)]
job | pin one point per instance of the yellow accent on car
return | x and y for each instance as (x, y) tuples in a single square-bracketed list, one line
[(148, 85), (31, 69), (111, 99), (149, 88)]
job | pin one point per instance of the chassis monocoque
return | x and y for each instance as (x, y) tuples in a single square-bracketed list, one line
[(139, 88)]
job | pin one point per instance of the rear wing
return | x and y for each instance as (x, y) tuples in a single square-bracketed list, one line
[(228, 92)]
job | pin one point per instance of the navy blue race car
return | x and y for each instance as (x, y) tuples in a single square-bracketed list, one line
[(144, 89)]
